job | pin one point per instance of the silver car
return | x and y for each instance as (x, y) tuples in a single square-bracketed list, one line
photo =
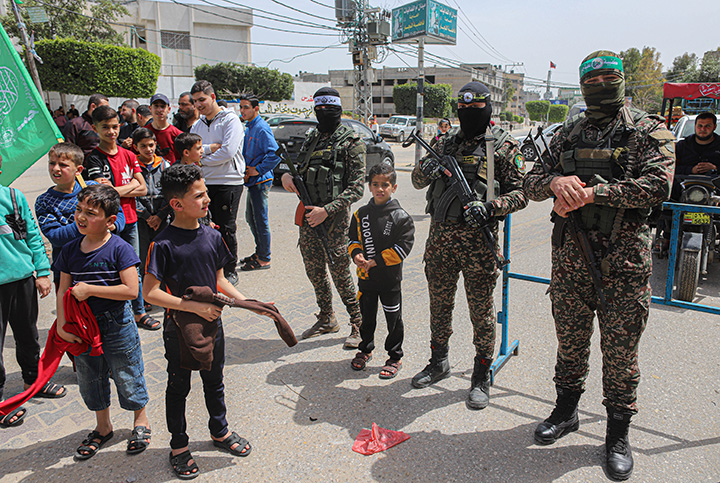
[(398, 127)]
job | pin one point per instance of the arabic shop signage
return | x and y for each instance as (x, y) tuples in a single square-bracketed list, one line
[(425, 18)]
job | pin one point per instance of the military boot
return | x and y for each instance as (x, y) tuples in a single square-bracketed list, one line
[(438, 369), (562, 420), (353, 340), (479, 396), (618, 456), (326, 323)]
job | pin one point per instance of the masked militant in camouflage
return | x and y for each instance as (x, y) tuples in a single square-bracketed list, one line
[(632, 154), (456, 244)]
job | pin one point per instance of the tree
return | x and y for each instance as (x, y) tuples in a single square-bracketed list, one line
[(643, 77), (557, 112), (62, 23), (684, 68), (437, 101), (230, 80), (709, 67), (537, 110), (83, 68)]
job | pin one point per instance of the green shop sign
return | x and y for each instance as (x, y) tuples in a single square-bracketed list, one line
[(27, 131), (425, 18)]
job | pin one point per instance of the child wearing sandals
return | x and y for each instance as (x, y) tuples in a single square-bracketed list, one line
[(188, 253), (101, 268), (381, 237)]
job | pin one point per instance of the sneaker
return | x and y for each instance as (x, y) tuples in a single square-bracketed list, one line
[(232, 278), (325, 324)]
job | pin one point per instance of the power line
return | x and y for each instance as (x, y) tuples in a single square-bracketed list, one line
[(285, 61), (322, 4), (298, 10), (479, 35), (291, 20)]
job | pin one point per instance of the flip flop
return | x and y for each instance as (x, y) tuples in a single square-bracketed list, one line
[(5, 420), (148, 323), (52, 391), (254, 264)]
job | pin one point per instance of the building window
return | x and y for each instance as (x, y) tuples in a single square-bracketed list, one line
[(175, 40), (389, 82), (388, 100)]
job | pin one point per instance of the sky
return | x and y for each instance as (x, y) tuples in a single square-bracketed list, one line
[(533, 33)]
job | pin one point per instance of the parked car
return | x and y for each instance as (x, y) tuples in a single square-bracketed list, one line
[(292, 133), (686, 126), (398, 127), (526, 148), (274, 120)]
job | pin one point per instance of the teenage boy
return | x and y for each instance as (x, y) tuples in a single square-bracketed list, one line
[(223, 169), (165, 133), (101, 269), (117, 167), (189, 148), (381, 237), (152, 209), (260, 158), (186, 254), (55, 209), (24, 271)]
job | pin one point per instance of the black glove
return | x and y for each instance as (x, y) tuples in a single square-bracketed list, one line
[(431, 168), (479, 213)]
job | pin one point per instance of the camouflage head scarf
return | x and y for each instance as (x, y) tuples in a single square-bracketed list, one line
[(603, 99)]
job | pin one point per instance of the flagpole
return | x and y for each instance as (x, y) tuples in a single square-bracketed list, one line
[(28, 50)]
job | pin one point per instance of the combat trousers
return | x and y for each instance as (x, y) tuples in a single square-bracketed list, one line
[(574, 304), (452, 248), (315, 262)]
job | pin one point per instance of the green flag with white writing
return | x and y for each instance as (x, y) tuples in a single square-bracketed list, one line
[(27, 131)]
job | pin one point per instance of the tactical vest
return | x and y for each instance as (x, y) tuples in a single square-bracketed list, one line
[(610, 158), (325, 169), (444, 205)]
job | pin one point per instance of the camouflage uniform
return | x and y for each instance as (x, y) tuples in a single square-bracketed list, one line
[(623, 254), (453, 246), (351, 152)]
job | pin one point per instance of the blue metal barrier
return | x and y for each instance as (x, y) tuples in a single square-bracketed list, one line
[(508, 350)]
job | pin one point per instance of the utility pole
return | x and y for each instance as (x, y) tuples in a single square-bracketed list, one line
[(548, 94), (28, 50), (420, 97)]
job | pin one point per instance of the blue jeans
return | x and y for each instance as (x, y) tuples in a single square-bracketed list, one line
[(130, 235), (256, 214), (121, 360)]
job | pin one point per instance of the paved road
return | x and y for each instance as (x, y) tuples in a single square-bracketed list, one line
[(302, 407)]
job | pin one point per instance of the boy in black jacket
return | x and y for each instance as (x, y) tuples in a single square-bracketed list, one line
[(381, 237)]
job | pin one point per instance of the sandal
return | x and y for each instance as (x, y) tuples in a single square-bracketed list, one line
[(254, 264), (92, 446), (360, 361), (390, 369), (247, 259), (139, 441), (52, 391), (182, 469), (148, 323), (228, 442), (5, 420)]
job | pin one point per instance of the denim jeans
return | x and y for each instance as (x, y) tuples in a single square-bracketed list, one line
[(130, 235), (178, 389), (256, 214), (121, 360)]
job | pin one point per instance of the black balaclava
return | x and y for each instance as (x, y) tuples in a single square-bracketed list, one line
[(473, 120), (603, 99), (329, 116)]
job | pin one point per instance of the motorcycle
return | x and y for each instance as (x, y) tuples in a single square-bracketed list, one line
[(698, 242)]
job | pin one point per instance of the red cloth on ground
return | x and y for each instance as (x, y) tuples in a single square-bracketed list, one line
[(377, 439), (80, 321)]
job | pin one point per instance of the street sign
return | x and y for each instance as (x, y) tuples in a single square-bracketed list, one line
[(436, 22), (37, 15), (26, 129)]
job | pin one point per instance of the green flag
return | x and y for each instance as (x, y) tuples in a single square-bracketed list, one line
[(26, 129)]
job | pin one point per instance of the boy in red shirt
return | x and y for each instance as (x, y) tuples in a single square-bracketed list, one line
[(117, 167), (165, 133)]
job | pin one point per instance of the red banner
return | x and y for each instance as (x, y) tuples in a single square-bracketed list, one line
[(692, 91)]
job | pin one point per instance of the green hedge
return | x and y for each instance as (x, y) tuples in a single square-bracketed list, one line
[(537, 110), (437, 101), (229, 80), (84, 68), (557, 112)]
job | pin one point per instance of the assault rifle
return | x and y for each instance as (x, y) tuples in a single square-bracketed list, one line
[(320, 230), (456, 182), (575, 231)]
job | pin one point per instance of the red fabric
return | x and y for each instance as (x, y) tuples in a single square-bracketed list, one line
[(124, 165), (691, 91), (80, 321), (371, 441), (166, 141)]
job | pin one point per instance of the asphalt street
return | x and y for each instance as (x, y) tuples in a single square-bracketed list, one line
[(302, 407)]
